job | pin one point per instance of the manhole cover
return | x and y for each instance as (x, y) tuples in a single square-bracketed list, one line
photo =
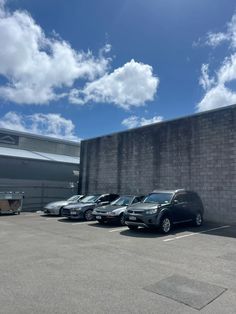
[(194, 293)]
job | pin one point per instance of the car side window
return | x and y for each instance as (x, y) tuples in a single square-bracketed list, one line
[(136, 200), (112, 197), (104, 198), (141, 198), (181, 198), (195, 199)]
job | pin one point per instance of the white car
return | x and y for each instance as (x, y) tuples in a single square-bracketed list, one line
[(55, 208)]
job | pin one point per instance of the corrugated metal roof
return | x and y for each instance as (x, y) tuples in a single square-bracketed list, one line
[(22, 153), (40, 137)]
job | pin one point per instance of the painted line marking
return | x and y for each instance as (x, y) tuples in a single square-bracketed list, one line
[(30, 215), (118, 229), (52, 218), (83, 223), (195, 233)]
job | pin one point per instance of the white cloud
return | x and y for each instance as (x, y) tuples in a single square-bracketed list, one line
[(134, 121), (216, 97), (205, 81), (215, 39), (217, 92), (40, 69), (36, 66), (53, 125), (133, 84)]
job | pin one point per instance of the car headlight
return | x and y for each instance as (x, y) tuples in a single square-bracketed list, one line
[(111, 214), (151, 211)]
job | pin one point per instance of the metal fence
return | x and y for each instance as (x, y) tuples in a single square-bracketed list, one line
[(39, 193)]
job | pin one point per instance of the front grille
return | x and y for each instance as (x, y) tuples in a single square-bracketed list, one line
[(137, 220), (134, 211), (100, 211)]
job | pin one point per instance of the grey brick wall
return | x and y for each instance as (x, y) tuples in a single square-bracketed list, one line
[(197, 153)]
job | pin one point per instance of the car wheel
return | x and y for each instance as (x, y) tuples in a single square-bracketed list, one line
[(133, 227), (60, 212), (88, 215), (198, 220), (165, 225), (101, 222), (122, 219)]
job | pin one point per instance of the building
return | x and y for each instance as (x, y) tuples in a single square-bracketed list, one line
[(196, 152), (44, 168)]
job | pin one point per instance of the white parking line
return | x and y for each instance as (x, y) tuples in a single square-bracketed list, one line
[(118, 229), (52, 218), (30, 215), (195, 233), (83, 223)]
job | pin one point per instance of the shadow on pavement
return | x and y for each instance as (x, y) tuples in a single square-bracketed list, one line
[(209, 228), (105, 225)]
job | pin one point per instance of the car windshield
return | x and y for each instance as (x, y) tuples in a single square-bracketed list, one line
[(122, 201), (73, 198), (159, 198), (90, 199)]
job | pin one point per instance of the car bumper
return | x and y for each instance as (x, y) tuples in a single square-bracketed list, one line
[(141, 221), (105, 217), (71, 215), (51, 211)]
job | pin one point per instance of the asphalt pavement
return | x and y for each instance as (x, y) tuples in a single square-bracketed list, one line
[(53, 265)]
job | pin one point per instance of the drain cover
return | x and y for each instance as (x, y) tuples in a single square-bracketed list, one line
[(194, 293)]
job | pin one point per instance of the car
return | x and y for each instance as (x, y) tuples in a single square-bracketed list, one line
[(55, 208), (115, 211), (84, 209), (163, 209)]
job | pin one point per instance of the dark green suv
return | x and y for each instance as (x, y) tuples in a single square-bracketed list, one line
[(164, 209)]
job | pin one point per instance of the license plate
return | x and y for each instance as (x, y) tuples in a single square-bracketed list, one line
[(132, 218), (98, 217), (74, 213)]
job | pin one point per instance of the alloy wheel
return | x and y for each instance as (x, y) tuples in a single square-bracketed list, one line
[(88, 215), (166, 225)]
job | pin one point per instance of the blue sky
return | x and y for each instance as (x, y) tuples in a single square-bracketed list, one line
[(79, 69)]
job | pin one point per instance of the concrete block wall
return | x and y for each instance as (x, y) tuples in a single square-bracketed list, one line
[(196, 152)]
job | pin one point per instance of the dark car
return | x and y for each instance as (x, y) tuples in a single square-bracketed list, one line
[(83, 209), (115, 211), (164, 209)]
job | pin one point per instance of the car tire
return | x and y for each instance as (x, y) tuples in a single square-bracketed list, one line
[(122, 219), (133, 228), (198, 220), (60, 212), (165, 224), (102, 222), (88, 215)]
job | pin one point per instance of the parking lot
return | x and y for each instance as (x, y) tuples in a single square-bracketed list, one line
[(53, 265)]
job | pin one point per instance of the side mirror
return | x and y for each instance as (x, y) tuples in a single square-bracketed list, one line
[(175, 202)]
